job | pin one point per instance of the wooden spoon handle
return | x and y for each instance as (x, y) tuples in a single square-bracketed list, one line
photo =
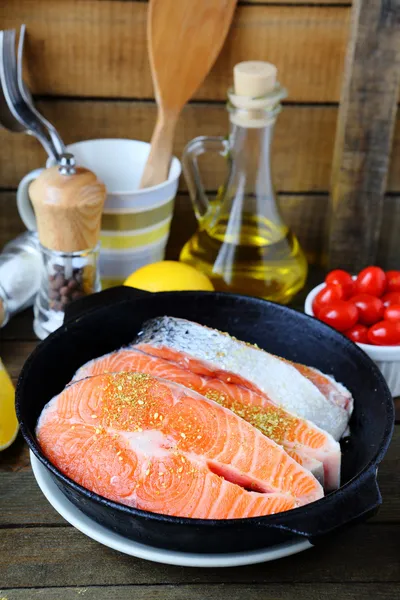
[(158, 162)]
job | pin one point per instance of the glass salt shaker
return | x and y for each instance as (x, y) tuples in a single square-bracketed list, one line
[(20, 275), (68, 203)]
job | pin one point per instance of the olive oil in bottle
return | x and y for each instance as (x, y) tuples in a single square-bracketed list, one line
[(242, 243)]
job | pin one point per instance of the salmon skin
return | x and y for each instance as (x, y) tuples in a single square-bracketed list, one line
[(158, 446), (311, 447), (303, 391)]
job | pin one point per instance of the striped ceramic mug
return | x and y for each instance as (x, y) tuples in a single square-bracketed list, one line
[(135, 222)]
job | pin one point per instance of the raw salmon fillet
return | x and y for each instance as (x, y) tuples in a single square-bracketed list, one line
[(158, 446), (303, 391), (311, 447)]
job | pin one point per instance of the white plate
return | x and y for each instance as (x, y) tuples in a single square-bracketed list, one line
[(170, 557)]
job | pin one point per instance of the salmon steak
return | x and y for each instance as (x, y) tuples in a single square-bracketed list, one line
[(301, 390), (310, 446), (158, 446)]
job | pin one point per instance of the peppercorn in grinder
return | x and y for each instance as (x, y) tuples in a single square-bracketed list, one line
[(68, 201)]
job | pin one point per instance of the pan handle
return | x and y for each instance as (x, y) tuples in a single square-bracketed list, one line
[(80, 307), (356, 502)]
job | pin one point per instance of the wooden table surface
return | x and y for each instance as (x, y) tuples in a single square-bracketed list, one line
[(42, 557)]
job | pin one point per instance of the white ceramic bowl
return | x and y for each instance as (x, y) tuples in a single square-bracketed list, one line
[(387, 358)]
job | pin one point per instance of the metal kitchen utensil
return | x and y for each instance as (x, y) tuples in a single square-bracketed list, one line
[(25, 93), (18, 109)]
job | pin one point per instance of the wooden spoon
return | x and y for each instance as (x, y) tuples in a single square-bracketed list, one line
[(184, 40)]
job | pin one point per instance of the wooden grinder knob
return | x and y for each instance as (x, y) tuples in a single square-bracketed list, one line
[(68, 203)]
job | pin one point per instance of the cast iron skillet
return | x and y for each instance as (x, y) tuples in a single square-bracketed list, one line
[(111, 319)]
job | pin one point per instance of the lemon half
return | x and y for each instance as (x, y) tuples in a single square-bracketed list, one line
[(168, 276), (8, 418)]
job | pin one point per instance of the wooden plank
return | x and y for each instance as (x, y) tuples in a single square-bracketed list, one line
[(22, 502), (15, 458), (366, 124), (19, 328), (302, 147), (10, 222), (13, 354), (305, 214), (294, 2), (99, 49), (389, 249), (308, 591), (47, 557), (302, 154)]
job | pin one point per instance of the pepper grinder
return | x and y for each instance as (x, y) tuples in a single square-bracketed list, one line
[(68, 203)]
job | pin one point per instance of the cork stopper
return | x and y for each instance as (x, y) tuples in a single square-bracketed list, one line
[(254, 78), (68, 203)]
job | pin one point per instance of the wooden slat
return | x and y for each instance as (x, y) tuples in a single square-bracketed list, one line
[(366, 124), (303, 141), (294, 2), (23, 503), (302, 147), (389, 248), (99, 49), (19, 328), (308, 591), (10, 222), (305, 214), (37, 557), (14, 354), (15, 457)]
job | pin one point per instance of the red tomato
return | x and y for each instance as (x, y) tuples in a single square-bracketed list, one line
[(390, 299), (330, 293), (392, 313), (393, 281), (370, 308), (340, 315), (343, 278), (371, 280), (358, 333), (385, 333)]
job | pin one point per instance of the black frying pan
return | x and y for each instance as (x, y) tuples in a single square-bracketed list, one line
[(111, 319)]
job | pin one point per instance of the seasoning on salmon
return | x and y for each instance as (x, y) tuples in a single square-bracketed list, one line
[(311, 447), (303, 391), (159, 446)]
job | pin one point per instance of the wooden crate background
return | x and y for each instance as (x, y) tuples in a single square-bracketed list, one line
[(89, 72)]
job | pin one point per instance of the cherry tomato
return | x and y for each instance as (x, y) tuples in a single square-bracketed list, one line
[(330, 293), (390, 299), (358, 333), (370, 308), (343, 278), (385, 333), (371, 280), (340, 315), (392, 313), (393, 281)]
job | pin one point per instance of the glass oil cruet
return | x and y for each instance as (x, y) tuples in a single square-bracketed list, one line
[(242, 243)]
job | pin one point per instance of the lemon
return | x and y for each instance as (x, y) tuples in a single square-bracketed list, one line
[(168, 276), (8, 418)]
